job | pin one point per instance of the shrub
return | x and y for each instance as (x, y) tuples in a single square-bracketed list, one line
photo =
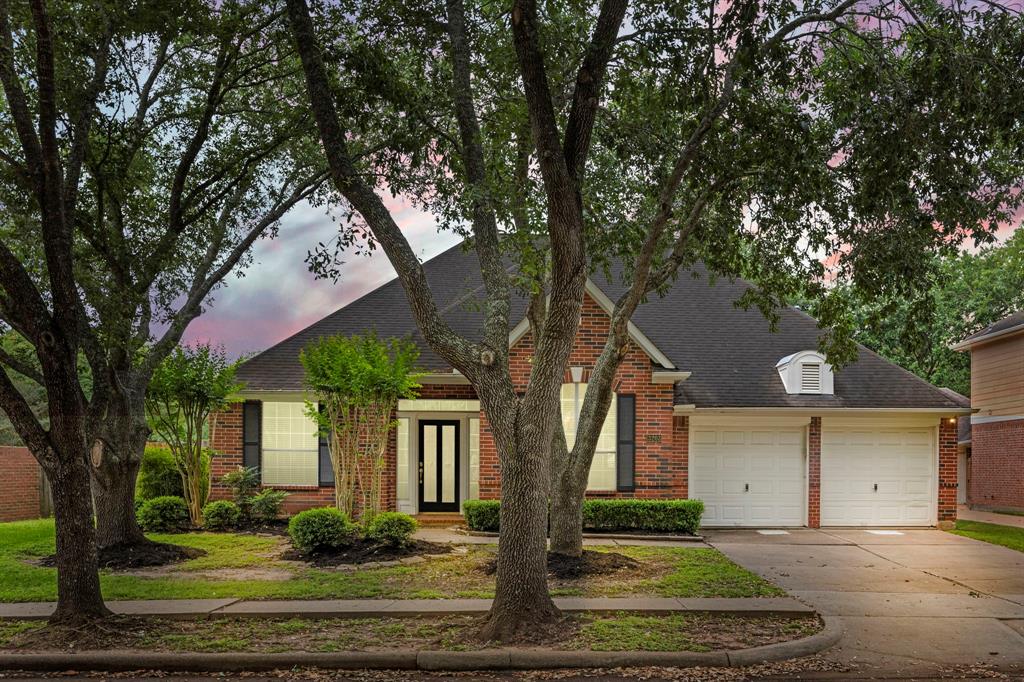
[(482, 515), (267, 505), (244, 483), (316, 530), (221, 515), (158, 475), (163, 514), (391, 528), (675, 516)]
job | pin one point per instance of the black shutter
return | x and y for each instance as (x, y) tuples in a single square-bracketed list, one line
[(625, 450), (325, 467), (252, 428)]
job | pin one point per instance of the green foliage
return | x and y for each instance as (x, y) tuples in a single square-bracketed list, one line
[(158, 475), (221, 515), (673, 516), (357, 382), (323, 529), (482, 515), (391, 528), (244, 483), (266, 506), (166, 514)]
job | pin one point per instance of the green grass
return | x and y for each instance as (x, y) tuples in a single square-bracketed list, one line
[(1007, 536), (664, 571), (639, 633)]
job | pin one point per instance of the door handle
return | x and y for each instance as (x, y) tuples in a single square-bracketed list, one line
[(421, 472), (876, 487), (746, 487)]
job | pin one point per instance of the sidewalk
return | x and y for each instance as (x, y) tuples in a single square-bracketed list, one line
[(412, 608), (962, 512)]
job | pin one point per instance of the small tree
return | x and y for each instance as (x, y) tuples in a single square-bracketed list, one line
[(187, 386), (357, 383)]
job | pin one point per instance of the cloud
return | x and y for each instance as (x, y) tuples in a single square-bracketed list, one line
[(277, 296)]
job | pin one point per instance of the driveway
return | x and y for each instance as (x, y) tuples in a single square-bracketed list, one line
[(912, 601)]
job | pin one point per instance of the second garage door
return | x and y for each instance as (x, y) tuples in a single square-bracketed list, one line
[(748, 477), (878, 477)]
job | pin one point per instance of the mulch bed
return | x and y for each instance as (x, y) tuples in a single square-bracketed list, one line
[(366, 551), (145, 555), (564, 567)]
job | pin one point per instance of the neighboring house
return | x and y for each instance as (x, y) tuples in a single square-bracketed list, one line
[(708, 404), (997, 426), (26, 492)]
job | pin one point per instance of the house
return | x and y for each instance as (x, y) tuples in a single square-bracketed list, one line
[(996, 435), (709, 404)]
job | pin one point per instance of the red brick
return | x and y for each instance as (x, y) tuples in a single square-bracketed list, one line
[(997, 465)]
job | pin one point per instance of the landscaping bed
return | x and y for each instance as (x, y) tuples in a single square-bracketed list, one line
[(613, 632), (363, 551), (122, 557)]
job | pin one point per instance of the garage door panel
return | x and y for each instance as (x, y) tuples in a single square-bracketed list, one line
[(749, 477), (877, 478)]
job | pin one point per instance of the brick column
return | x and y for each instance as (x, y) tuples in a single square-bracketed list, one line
[(681, 453), (226, 443), (814, 473), (947, 471)]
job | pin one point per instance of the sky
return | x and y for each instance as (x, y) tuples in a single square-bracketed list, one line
[(277, 296)]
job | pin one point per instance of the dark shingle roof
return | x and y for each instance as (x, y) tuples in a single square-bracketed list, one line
[(731, 353), (996, 328)]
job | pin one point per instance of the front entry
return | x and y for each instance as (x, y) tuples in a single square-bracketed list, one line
[(439, 465)]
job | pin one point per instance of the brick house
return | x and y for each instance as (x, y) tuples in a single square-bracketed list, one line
[(995, 439), (710, 403), (25, 488)]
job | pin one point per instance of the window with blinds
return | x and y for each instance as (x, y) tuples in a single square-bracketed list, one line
[(290, 445), (602, 469)]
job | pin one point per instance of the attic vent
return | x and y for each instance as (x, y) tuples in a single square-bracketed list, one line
[(810, 378)]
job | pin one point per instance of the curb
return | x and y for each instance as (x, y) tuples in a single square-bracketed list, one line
[(408, 659), (593, 536)]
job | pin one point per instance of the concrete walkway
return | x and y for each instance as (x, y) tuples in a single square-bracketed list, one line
[(990, 517), (410, 608), (911, 600)]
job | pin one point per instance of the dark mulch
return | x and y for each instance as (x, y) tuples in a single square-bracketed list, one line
[(145, 555), (565, 567), (364, 551)]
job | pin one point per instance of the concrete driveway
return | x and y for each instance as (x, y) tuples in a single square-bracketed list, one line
[(913, 601)]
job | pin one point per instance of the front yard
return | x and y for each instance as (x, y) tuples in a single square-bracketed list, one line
[(1006, 536), (253, 567)]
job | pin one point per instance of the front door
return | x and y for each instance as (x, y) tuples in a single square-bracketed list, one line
[(439, 465)]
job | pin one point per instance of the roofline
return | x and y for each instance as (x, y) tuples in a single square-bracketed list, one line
[(970, 342), (648, 346), (669, 377), (945, 411)]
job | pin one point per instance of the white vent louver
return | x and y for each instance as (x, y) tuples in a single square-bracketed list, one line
[(810, 378)]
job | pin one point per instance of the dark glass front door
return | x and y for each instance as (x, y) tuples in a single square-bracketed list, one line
[(439, 465)]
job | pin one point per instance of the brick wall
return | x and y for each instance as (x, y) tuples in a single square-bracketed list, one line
[(997, 465), (948, 437), (661, 442), (226, 443), (21, 484), (814, 473)]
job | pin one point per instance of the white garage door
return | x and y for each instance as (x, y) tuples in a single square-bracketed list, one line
[(748, 477), (878, 477)]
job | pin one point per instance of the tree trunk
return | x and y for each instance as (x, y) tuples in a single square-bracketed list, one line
[(78, 583), (124, 433), (521, 598), (566, 518)]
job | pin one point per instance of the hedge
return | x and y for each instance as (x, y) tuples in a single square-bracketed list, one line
[(663, 516)]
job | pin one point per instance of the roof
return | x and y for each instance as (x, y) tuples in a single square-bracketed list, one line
[(1011, 324), (731, 353)]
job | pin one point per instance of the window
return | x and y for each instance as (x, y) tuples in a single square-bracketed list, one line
[(602, 469), (290, 445)]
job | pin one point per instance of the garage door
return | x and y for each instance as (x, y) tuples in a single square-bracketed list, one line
[(882, 477), (748, 477)]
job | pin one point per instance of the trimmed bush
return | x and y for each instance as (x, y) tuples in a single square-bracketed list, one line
[(267, 505), (221, 515), (391, 528), (165, 514), (317, 530), (158, 475), (482, 515), (663, 516)]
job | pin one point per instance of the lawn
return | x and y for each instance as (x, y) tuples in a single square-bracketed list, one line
[(1007, 536), (251, 567), (607, 632)]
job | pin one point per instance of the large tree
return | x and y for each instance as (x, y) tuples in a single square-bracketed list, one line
[(144, 152), (756, 137)]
